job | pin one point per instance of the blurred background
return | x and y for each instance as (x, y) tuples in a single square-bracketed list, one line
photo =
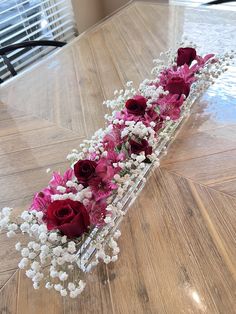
[(57, 20)]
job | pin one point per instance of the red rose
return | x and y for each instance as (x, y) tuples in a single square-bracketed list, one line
[(177, 85), (84, 170), (137, 148), (186, 56), (70, 217), (136, 105)]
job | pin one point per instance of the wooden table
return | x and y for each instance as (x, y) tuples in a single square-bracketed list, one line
[(178, 239)]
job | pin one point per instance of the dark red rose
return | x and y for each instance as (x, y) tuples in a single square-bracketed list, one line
[(137, 148), (70, 217), (186, 56), (84, 170), (177, 85), (136, 105)]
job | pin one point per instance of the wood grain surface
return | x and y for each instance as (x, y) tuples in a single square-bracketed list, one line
[(178, 244)]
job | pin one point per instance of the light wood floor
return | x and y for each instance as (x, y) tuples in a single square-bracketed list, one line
[(178, 244)]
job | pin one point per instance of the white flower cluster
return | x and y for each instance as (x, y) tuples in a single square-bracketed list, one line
[(51, 258), (46, 257), (5, 222), (149, 90), (167, 59), (122, 96), (94, 145), (105, 247), (134, 169), (83, 195), (138, 130)]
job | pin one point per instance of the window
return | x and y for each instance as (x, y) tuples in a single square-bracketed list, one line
[(22, 20)]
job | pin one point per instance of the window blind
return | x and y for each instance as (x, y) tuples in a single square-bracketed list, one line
[(22, 20)]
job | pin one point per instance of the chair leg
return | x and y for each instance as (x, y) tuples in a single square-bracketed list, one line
[(9, 65)]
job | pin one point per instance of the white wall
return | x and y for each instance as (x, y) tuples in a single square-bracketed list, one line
[(89, 12), (112, 5)]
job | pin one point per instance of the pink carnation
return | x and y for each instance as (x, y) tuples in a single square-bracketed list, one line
[(184, 72), (169, 106), (115, 157), (97, 212), (104, 170), (112, 140), (102, 189)]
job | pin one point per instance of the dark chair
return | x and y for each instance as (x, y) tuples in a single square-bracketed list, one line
[(26, 44), (218, 2)]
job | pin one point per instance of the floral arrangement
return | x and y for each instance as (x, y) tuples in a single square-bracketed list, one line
[(72, 223)]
